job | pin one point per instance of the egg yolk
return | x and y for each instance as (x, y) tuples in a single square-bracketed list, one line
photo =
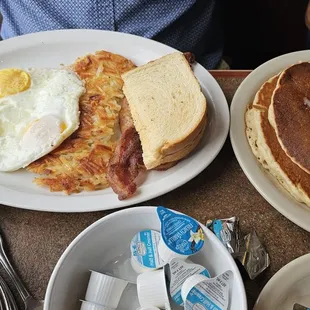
[(63, 127), (44, 131), (13, 81)]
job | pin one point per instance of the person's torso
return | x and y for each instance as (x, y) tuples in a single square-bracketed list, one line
[(188, 25)]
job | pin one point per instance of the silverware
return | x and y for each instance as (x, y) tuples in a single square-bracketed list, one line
[(8, 301), (4, 300), (29, 302)]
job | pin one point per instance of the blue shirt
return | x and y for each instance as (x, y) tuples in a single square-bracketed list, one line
[(187, 25)]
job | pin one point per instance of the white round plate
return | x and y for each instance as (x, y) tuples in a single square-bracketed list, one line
[(288, 286), (51, 49), (263, 182)]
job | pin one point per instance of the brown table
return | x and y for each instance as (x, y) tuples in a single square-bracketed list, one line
[(35, 240)]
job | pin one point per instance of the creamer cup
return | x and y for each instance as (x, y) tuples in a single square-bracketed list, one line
[(144, 251), (199, 292), (152, 290), (180, 271), (104, 290), (91, 306), (148, 308), (181, 235)]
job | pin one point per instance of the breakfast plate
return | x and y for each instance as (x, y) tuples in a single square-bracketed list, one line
[(288, 286), (265, 184), (55, 48)]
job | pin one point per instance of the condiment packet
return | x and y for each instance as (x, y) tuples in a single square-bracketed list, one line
[(227, 231), (300, 307), (144, 251), (207, 294), (179, 271), (249, 251), (253, 256), (181, 235)]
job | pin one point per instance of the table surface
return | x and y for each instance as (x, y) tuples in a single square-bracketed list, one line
[(36, 240)]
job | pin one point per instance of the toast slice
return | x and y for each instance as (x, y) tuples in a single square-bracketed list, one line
[(168, 108)]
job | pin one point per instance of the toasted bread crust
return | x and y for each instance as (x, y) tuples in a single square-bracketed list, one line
[(170, 131)]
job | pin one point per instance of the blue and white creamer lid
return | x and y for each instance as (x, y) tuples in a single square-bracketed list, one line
[(210, 294), (179, 272), (180, 233), (144, 249)]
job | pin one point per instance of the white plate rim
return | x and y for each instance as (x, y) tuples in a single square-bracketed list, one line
[(264, 184), (279, 276), (86, 203), (142, 209)]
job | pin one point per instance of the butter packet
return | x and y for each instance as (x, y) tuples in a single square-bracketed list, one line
[(227, 231), (253, 256), (179, 271), (249, 250)]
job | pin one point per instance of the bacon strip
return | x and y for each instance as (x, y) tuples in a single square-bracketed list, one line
[(190, 57), (126, 163)]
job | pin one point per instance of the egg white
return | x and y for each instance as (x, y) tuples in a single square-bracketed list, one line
[(34, 122)]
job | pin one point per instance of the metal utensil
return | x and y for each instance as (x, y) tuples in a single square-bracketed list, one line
[(4, 301), (29, 302), (8, 301)]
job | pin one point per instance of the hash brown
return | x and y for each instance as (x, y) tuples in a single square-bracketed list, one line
[(80, 163)]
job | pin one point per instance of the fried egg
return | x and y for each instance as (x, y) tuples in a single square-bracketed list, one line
[(39, 109)]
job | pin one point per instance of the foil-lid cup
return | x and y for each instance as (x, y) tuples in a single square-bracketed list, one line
[(91, 306), (191, 282), (148, 308), (167, 254), (104, 290), (207, 293), (144, 251), (181, 235), (152, 290), (180, 271)]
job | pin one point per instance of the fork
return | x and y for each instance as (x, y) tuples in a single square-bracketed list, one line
[(7, 300), (29, 302)]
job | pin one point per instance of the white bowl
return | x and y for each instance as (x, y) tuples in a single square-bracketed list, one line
[(109, 238)]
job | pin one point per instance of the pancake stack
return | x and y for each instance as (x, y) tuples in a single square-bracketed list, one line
[(278, 129)]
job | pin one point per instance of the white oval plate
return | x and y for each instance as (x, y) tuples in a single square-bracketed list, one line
[(51, 49), (290, 285), (263, 182)]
